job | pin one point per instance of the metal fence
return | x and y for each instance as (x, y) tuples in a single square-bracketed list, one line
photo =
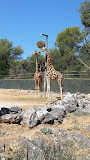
[(66, 74), (72, 85)]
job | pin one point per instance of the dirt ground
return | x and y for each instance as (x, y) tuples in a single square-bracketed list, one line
[(19, 98), (24, 100)]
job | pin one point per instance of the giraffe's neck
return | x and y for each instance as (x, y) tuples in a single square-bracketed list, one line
[(49, 64), (36, 64)]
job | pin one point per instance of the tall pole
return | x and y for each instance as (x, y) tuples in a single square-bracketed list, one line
[(45, 65)]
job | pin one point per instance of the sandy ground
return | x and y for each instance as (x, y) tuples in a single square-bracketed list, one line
[(20, 98)]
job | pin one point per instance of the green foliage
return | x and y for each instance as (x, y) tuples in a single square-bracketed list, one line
[(84, 54), (8, 53), (85, 14), (46, 130), (65, 62), (10, 149), (85, 19), (5, 50), (16, 53), (67, 40), (24, 68), (74, 128), (66, 46)]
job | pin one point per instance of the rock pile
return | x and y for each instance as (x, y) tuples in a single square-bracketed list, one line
[(46, 114)]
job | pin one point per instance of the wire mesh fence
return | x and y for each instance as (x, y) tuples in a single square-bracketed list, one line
[(72, 85), (66, 74)]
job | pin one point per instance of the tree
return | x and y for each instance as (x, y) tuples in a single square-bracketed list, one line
[(8, 53), (66, 45), (85, 19), (65, 62), (84, 53), (67, 40), (85, 14), (16, 53), (20, 69), (15, 68)]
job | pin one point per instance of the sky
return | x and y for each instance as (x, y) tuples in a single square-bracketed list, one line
[(23, 21)]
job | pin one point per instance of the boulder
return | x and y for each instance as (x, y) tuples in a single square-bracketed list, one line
[(4, 111), (42, 115), (11, 118), (10, 115), (70, 103), (48, 118), (58, 112), (15, 109), (28, 115)]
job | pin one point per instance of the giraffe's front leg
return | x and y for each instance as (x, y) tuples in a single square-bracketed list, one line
[(61, 92), (61, 88), (36, 87)]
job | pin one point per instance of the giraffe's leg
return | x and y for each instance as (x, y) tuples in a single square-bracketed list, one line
[(48, 87), (40, 89), (36, 87), (61, 88), (61, 92)]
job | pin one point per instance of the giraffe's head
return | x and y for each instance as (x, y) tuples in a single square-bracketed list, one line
[(35, 52), (43, 49)]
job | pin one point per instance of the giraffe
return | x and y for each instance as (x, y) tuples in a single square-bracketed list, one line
[(37, 76), (52, 74)]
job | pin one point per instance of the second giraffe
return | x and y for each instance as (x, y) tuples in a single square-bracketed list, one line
[(37, 76)]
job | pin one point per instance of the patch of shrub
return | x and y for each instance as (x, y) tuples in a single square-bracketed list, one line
[(46, 130), (80, 113)]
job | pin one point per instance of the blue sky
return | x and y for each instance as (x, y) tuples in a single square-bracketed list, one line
[(23, 21)]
